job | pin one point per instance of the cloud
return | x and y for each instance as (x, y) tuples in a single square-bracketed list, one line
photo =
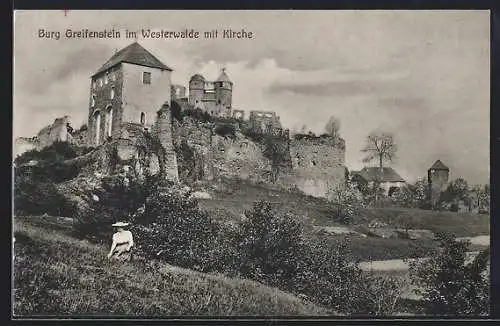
[(424, 75)]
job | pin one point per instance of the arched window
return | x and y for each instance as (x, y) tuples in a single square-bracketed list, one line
[(112, 95), (143, 118), (109, 118), (92, 102), (97, 127), (106, 78)]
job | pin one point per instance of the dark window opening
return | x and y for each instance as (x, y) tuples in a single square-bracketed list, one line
[(313, 163), (146, 78), (143, 118), (393, 190)]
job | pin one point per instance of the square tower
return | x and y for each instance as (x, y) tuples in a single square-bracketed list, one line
[(129, 87)]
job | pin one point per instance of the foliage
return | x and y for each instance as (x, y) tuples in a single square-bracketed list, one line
[(226, 130), (379, 295), (345, 201), (422, 193), (176, 111), (175, 230), (450, 286), (185, 160), (380, 146), (480, 197), (198, 114), (57, 152), (268, 245), (405, 197), (277, 151), (119, 197), (31, 197)]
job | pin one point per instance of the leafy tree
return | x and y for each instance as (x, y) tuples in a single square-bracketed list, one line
[(277, 151), (422, 193), (449, 285), (345, 201)]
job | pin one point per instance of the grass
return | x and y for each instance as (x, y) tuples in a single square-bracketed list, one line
[(56, 274)]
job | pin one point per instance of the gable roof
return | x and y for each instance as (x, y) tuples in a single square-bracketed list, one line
[(438, 165), (135, 54), (373, 173)]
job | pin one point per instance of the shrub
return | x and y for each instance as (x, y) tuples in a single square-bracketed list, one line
[(449, 286), (345, 202), (118, 199), (57, 152), (268, 246), (35, 198), (173, 228), (226, 130)]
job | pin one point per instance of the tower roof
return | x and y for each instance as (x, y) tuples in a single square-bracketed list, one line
[(223, 77), (135, 54), (197, 77), (438, 165)]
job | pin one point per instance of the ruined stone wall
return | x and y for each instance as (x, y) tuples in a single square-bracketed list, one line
[(266, 121), (23, 144), (318, 163), (53, 133), (222, 156), (163, 132)]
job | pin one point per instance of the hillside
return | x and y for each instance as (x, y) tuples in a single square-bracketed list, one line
[(58, 274)]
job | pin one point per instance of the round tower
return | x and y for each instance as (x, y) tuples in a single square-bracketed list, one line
[(196, 90), (224, 90), (437, 177)]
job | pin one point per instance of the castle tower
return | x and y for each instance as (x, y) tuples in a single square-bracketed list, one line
[(128, 88), (224, 91), (163, 132), (437, 177), (196, 90)]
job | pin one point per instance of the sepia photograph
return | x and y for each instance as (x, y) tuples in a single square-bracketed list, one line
[(271, 163)]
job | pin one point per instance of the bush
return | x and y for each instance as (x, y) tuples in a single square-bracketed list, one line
[(118, 199), (345, 202), (173, 229), (226, 130), (448, 285), (268, 246), (36, 198)]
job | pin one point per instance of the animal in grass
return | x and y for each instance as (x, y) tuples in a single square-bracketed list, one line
[(123, 241)]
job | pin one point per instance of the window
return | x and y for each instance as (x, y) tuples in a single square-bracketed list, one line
[(112, 95), (112, 76), (143, 118), (146, 78), (94, 84), (100, 82), (109, 116), (92, 101), (106, 78)]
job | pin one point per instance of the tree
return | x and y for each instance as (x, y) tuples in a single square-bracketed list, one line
[(449, 285), (480, 197), (332, 127), (345, 201), (380, 146), (277, 151), (456, 191), (422, 193)]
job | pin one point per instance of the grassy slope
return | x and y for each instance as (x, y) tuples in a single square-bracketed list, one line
[(60, 275), (237, 197)]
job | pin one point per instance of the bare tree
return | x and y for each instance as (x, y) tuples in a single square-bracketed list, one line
[(380, 146), (332, 127)]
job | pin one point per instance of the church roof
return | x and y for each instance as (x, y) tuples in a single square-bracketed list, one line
[(438, 165), (223, 77), (134, 54), (373, 173)]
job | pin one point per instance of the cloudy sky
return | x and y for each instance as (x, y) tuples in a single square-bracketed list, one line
[(423, 75)]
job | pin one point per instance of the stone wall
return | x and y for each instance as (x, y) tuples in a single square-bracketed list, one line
[(55, 132), (24, 144)]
